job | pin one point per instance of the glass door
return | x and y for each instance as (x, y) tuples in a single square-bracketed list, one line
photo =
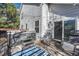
[(58, 30), (69, 28)]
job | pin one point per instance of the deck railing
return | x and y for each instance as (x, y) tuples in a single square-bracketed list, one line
[(16, 39)]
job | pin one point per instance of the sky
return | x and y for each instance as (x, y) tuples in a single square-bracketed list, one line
[(18, 5)]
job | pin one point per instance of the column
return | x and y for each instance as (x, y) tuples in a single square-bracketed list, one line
[(77, 23), (44, 21)]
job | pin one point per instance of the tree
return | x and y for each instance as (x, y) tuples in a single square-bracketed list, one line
[(11, 18), (2, 9), (11, 12)]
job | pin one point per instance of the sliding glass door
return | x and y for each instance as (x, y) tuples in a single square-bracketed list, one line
[(58, 30), (69, 27)]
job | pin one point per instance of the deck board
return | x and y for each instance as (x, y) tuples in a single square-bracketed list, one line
[(31, 51)]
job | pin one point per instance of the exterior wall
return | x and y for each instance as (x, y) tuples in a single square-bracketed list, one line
[(44, 13), (56, 17), (29, 14)]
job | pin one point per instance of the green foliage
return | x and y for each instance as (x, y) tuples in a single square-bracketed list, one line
[(8, 9), (11, 12)]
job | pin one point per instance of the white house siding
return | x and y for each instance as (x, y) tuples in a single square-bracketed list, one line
[(29, 14), (46, 13)]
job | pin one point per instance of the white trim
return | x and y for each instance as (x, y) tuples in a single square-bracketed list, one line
[(62, 31)]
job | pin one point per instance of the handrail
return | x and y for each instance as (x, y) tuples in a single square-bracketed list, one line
[(16, 39)]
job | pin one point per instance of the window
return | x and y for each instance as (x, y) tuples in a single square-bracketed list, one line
[(37, 26)]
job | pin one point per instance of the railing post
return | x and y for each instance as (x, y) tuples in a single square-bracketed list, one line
[(9, 44)]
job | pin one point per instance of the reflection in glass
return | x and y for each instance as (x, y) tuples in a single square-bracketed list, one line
[(69, 28), (58, 30)]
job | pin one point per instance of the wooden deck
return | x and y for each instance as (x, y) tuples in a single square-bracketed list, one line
[(31, 51), (7, 29), (50, 48)]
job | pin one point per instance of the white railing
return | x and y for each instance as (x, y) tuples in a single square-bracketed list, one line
[(14, 40)]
